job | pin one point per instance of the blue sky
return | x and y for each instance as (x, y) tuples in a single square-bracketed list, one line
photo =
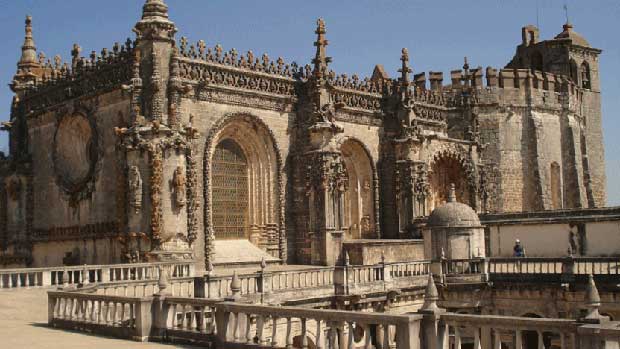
[(362, 33)]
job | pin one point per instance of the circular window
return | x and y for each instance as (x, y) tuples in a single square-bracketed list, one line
[(74, 152)]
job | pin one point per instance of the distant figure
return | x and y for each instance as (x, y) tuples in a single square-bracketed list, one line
[(519, 251)]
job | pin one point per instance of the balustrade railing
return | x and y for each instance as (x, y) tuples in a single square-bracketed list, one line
[(490, 331), (55, 276), (463, 266), (300, 279), (283, 327), (178, 287), (124, 317), (567, 265)]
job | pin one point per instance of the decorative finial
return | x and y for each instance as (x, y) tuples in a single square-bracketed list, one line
[(405, 69), (320, 61), (347, 260), (263, 264), (452, 193), (431, 295), (29, 50), (569, 251), (235, 285), (465, 64), (593, 300), (154, 8)]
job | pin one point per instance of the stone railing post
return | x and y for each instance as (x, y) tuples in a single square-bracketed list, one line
[(484, 269), (386, 273), (144, 319), (264, 281), (46, 278), (207, 279), (408, 335), (105, 274), (341, 277)]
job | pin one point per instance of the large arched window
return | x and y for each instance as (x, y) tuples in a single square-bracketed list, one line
[(359, 208), (230, 191), (573, 71), (585, 76), (242, 192)]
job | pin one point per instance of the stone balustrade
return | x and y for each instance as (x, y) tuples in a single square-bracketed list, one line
[(323, 281), (179, 287), (538, 265), (496, 332), (121, 317), (73, 275)]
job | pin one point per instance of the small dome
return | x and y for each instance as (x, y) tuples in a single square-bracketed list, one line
[(454, 214), (575, 37)]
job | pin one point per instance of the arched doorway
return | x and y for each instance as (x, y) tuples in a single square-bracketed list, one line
[(447, 169), (242, 183), (359, 196)]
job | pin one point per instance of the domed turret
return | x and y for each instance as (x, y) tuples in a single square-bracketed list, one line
[(454, 229), (453, 214), (569, 33)]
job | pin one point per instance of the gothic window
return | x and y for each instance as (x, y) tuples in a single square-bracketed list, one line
[(230, 191), (358, 205), (573, 71), (556, 186), (585, 76)]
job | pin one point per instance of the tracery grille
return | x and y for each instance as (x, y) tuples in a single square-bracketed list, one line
[(230, 191)]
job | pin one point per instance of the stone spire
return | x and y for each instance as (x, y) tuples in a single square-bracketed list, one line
[(320, 61), (29, 50), (28, 61), (452, 193), (155, 24), (431, 296), (405, 69), (592, 300), (155, 10)]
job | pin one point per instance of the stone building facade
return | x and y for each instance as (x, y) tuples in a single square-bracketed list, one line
[(158, 148)]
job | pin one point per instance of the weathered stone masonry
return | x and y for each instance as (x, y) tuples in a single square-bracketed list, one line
[(145, 135)]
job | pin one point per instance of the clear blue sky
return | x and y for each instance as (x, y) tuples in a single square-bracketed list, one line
[(362, 33)]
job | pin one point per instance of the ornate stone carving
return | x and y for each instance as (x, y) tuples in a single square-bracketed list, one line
[(135, 188), (179, 185), (156, 166), (193, 202)]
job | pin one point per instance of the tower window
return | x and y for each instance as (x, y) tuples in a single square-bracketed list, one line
[(585, 76)]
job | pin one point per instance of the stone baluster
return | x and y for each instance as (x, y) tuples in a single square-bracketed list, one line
[(386, 336), (457, 337), (541, 342), (477, 341), (319, 336), (351, 337), (248, 327), (497, 343), (304, 333), (333, 336), (289, 333), (274, 331), (367, 337), (260, 328)]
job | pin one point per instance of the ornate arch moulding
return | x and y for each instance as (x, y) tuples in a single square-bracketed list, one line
[(212, 138)]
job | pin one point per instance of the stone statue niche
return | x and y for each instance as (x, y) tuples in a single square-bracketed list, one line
[(135, 188), (178, 184)]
